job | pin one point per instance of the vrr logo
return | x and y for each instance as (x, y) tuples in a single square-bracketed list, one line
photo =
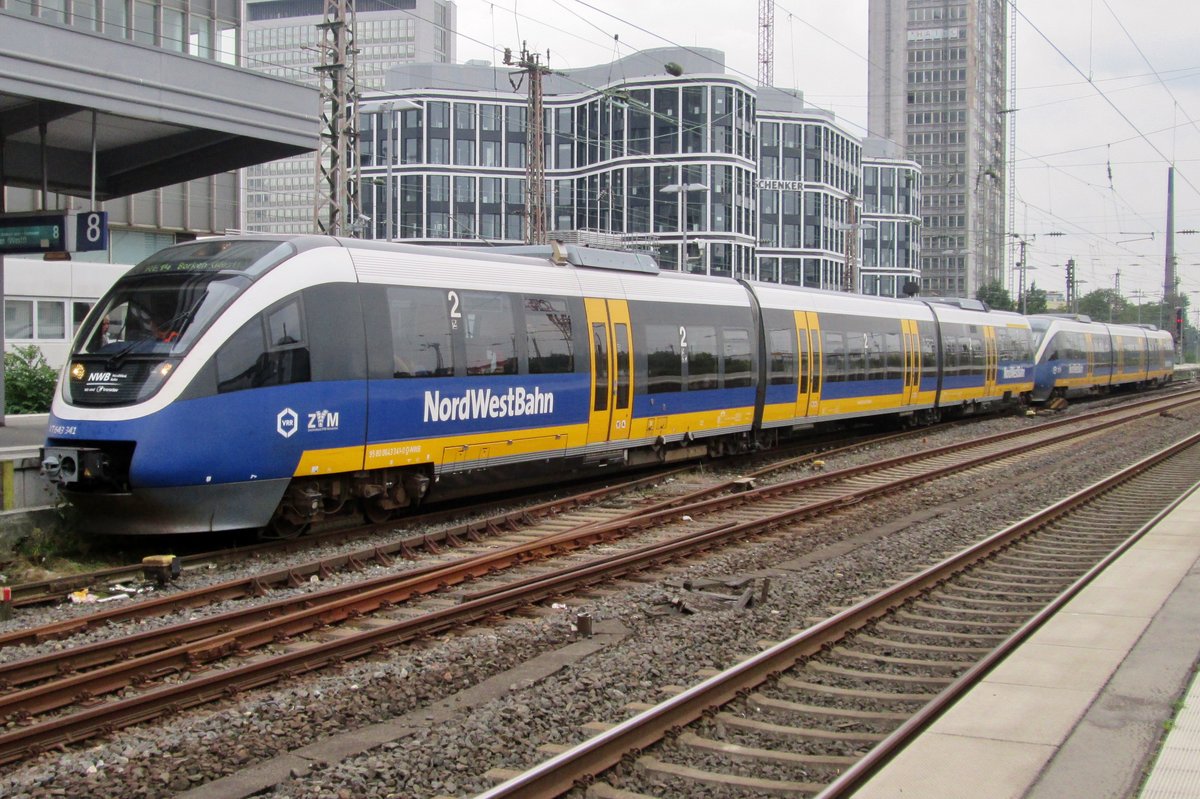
[(287, 423)]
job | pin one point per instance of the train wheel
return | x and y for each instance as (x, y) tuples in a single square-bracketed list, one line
[(376, 513), (280, 527)]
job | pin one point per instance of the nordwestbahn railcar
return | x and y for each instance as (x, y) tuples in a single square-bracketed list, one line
[(268, 382), (1077, 357)]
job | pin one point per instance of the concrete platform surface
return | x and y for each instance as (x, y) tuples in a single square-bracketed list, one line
[(1080, 708)]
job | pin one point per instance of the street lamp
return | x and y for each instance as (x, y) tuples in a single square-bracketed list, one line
[(684, 189)]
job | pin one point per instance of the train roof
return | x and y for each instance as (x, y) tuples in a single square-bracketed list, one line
[(1083, 323)]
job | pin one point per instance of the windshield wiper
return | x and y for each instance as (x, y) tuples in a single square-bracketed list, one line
[(183, 319), (115, 358)]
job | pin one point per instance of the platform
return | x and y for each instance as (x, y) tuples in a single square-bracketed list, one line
[(1079, 710)]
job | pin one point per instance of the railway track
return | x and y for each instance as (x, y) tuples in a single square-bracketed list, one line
[(817, 714), (58, 699), (491, 518)]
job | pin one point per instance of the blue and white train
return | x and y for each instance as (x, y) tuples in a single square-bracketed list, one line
[(1076, 356), (269, 382)]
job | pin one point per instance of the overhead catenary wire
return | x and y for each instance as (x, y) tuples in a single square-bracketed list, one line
[(1103, 94)]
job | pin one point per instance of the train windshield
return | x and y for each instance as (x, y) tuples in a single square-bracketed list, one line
[(162, 305)]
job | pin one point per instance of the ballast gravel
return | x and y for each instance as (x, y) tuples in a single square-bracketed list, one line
[(812, 571)]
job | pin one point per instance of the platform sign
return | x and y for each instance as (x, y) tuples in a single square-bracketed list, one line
[(53, 231), (32, 233), (91, 232)]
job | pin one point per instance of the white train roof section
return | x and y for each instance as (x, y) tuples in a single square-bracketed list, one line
[(789, 298)]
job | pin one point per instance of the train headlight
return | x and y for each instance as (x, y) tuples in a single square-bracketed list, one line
[(78, 371), (155, 378)]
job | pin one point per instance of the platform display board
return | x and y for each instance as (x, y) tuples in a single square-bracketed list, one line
[(53, 231)]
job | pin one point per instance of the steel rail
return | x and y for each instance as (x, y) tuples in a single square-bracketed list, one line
[(582, 763), (293, 576), (56, 588)]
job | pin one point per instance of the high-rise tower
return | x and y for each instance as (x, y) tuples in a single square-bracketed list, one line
[(936, 87)]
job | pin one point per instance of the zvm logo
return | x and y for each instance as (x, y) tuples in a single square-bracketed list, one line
[(322, 420), (287, 423)]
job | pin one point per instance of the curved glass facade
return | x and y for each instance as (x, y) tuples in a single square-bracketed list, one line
[(615, 161), (809, 173), (649, 162), (891, 223)]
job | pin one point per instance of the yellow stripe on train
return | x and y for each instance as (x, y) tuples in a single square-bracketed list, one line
[(697, 422), (478, 448)]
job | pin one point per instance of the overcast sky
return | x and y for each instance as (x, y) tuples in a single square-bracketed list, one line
[(1071, 134)]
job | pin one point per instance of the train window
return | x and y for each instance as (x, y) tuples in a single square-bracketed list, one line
[(833, 345), (856, 356), (548, 333), (737, 358), (894, 356), (972, 355), (284, 328), (600, 379), (965, 356), (807, 363), (783, 357), (421, 342), (702, 357), (929, 349), (269, 350), (287, 348), (622, 333), (1079, 343), (875, 356), (490, 333), (664, 359)]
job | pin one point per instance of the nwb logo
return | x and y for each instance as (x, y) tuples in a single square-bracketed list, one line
[(322, 420)]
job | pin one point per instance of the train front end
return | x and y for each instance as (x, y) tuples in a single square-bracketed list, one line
[(124, 445)]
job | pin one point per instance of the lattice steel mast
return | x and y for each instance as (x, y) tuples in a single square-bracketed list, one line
[(535, 133), (337, 210), (766, 42)]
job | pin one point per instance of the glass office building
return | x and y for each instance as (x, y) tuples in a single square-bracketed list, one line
[(890, 221), (758, 184)]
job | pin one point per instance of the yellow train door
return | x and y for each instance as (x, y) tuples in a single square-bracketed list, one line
[(912, 360), (611, 369), (991, 371), (809, 330)]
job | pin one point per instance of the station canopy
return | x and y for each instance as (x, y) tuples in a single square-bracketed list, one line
[(154, 117)]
